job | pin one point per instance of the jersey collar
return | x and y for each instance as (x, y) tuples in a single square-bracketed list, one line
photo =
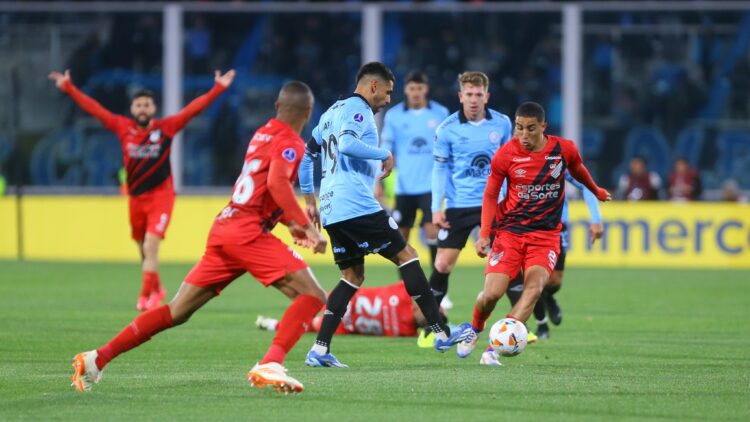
[(361, 98), (462, 117), (406, 105)]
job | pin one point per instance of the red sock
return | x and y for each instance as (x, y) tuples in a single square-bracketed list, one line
[(143, 327), (480, 318), (151, 283), (295, 322)]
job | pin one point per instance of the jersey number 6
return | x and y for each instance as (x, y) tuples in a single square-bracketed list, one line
[(244, 186)]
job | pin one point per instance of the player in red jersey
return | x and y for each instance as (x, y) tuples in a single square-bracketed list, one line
[(378, 311), (526, 223), (146, 143), (240, 241)]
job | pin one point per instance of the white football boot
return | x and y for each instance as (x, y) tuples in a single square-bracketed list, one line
[(266, 323), (274, 375), (489, 358), (85, 372), (466, 347)]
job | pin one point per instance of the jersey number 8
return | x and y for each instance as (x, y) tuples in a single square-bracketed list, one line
[(244, 186)]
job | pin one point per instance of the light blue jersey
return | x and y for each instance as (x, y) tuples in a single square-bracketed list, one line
[(591, 202), (346, 140), (463, 152), (408, 133)]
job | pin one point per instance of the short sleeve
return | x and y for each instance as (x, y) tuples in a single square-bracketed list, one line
[(316, 135), (441, 149), (570, 152), (387, 134), (354, 122)]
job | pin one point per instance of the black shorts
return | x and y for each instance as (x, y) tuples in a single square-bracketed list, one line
[(406, 208), (352, 239), (462, 222)]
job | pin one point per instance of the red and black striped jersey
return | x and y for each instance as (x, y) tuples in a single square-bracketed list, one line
[(536, 184), (145, 150)]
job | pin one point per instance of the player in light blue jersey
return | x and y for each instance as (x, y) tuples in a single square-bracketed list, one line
[(346, 141), (464, 146), (547, 302), (408, 132)]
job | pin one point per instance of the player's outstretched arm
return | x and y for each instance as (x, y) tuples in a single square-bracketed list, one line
[(65, 84), (581, 173), (221, 83)]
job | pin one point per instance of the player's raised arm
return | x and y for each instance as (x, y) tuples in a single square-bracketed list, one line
[(88, 104), (596, 228), (581, 173), (221, 82)]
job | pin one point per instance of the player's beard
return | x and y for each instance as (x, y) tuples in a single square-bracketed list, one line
[(143, 120)]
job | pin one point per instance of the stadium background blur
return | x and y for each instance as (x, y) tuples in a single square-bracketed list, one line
[(657, 79), (662, 82)]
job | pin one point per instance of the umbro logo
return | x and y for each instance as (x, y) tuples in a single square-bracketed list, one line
[(520, 172)]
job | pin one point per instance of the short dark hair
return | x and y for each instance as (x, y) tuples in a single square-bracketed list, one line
[(416, 76), (142, 93), (375, 69), (531, 109)]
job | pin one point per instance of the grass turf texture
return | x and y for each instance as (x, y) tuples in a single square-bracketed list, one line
[(634, 344)]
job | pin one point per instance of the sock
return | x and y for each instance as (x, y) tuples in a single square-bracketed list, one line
[(515, 290), (295, 322), (439, 284), (150, 282), (432, 244), (335, 310), (541, 322), (540, 309), (416, 285), (551, 290), (480, 319), (143, 327)]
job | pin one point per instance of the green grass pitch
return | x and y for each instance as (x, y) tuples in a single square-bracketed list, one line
[(633, 345)]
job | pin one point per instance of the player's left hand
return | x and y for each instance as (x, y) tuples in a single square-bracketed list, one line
[(596, 231), (224, 80), (388, 164), (481, 246)]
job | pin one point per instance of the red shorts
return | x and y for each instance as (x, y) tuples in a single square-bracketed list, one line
[(267, 258), (150, 213), (511, 252)]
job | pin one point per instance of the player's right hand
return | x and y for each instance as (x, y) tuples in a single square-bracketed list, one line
[(316, 240), (59, 78), (603, 195), (224, 80), (311, 209), (482, 246), (388, 164), (438, 219)]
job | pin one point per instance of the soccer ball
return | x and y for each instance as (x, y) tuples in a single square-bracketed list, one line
[(508, 337)]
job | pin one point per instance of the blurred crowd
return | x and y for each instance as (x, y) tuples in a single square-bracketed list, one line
[(665, 72)]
